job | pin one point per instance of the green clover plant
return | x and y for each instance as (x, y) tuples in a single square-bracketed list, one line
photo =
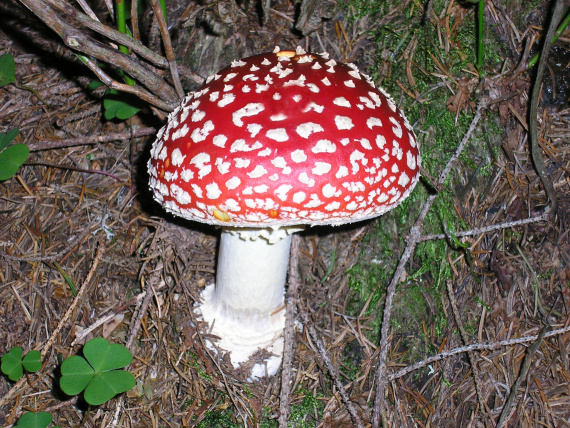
[(117, 104), (13, 365), (34, 420), (7, 70), (97, 374), (120, 105), (11, 158)]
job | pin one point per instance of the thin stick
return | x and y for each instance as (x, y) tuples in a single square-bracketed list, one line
[(73, 168), (90, 139), (537, 159), (474, 347), (289, 335), (161, 19), (139, 313), (123, 87), (330, 367), (506, 412), (79, 41), (413, 238), (78, 298), (111, 33), (490, 228), (464, 338), (19, 386)]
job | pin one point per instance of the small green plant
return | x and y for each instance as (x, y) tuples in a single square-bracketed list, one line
[(34, 420), (307, 412), (480, 26), (120, 105), (117, 105), (7, 70), (11, 158), (13, 365), (96, 374)]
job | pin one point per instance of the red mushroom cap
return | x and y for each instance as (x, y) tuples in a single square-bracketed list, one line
[(284, 138)]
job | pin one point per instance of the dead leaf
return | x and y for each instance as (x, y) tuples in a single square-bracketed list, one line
[(112, 324)]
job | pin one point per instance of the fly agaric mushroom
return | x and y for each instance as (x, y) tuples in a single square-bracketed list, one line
[(272, 143)]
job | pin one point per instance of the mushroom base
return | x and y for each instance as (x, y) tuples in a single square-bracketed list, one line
[(245, 307)]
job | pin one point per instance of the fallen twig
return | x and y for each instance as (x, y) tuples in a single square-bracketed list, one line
[(505, 414), (133, 90), (80, 42), (412, 239), (474, 347), (533, 108), (485, 229), (167, 43), (464, 338), (77, 300), (111, 33), (289, 335), (73, 168), (18, 387), (94, 139), (330, 367)]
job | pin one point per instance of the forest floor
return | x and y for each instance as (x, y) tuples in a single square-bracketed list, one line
[(79, 213)]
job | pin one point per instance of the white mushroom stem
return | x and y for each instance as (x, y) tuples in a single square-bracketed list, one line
[(244, 307)]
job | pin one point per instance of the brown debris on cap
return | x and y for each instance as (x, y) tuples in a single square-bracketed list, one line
[(284, 138)]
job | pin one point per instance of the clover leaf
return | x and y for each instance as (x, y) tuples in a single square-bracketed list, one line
[(34, 420), (13, 365), (13, 157), (32, 362), (7, 70), (120, 105), (97, 374)]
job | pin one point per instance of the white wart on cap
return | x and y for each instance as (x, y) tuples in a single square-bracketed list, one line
[(281, 139)]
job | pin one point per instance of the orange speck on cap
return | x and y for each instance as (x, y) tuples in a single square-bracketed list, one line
[(221, 215), (290, 54)]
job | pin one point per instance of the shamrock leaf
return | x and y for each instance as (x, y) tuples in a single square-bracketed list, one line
[(34, 420), (97, 373), (12, 364), (120, 105), (32, 362), (7, 138), (7, 70), (13, 157)]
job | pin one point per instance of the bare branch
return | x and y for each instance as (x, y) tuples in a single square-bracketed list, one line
[(330, 367), (161, 19), (474, 347), (93, 139), (78, 41), (412, 239), (135, 90), (490, 228), (557, 16), (111, 33), (289, 334), (506, 413)]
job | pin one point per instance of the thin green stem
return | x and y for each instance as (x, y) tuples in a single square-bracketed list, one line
[(480, 26), (163, 7), (120, 11), (68, 280), (557, 34)]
